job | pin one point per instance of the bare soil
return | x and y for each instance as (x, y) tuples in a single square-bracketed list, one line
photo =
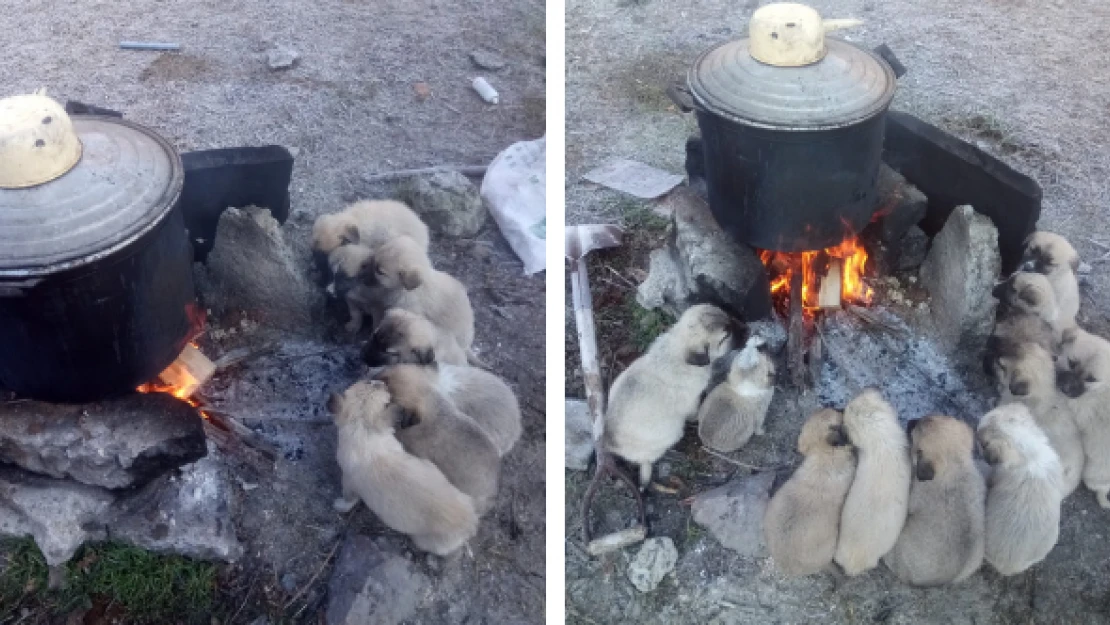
[(1007, 75), (347, 109)]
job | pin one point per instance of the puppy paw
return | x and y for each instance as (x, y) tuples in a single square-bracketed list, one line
[(343, 506)]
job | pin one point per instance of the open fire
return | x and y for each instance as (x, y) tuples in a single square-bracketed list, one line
[(830, 277)]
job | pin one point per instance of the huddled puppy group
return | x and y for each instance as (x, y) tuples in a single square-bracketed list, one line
[(919, 502), (420, 441)]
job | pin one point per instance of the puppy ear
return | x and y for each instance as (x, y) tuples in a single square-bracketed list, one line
[(335, 403), (350, 235), (698, 358), (411, 279), (1019, 387), (925, 470), (426, 356)]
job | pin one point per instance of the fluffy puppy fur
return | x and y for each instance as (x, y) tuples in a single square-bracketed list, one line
[(1030, 295), (408, 494), (400, 275), (478, 394), (735, 408), (431, 427), (1024, 492), (943, 538), (345, 263), (1053, 256), (1083, 375), (1026, 374), (875, 509), (651, 400), (803, 518), (404, 337), (369, 222)]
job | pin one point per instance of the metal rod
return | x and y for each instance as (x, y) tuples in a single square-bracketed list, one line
[(148, 45)]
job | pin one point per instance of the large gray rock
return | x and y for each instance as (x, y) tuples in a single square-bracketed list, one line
[(959, 272), (369, 585), (579, 435), (701, 263), (117, 443), (447, 201), (655, 559), (252, 271), (61, 515), (733, 513), (188, 512), (901, 205)]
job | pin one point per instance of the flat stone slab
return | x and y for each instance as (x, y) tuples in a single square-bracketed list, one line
[(733, 513), (369, 585), (114, 444)]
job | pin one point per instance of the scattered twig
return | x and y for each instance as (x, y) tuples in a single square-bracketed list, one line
[(731, 461), (320, 570), (616, 273), (473, 171), (873, 320), (238, 356), (1098, 243)]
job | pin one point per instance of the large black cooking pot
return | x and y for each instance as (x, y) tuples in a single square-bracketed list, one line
[(96, 289), (792, 154)]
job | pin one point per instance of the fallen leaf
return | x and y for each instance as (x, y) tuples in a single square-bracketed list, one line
[(422, 90)]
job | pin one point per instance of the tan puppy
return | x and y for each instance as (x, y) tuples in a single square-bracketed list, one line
[(1024, 492), (1029, 294), (1053, 256), (434, 429), (803, 518), (651, 400), (369, 222), (1026, 374), (404, 337), (408, 494), (736, 407), (400, 275), (943, 539), (345, 263), (1084, 365), (875, 509)]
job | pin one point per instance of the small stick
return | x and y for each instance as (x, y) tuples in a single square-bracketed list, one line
[(473, 171), (731, 461), (148, 45), (318, 572)]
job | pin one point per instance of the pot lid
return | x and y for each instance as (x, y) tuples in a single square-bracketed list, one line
[(126, 180), (847, 85)]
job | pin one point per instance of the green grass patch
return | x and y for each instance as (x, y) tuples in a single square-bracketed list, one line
[(646, 324), (151, 588)]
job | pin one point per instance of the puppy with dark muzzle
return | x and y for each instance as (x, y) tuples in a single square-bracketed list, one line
[(651, 400), (802, 520), (409, 494), (1027, 311), (943, 538), (366, 222), (1052, 256), (400, 275), (404, 337), (433, 428), (1083, 373), (346, 263)]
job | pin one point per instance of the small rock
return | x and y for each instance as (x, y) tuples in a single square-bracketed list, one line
[(481, 251), (665, 287), (484, 59), (422, 91), (655, 559), (1084, 269), (579, 435), (290, 582), (912, 249), (960, 272), (447, 201), (281, 57), (733, 513), (369, 585), (663, 470), (901, 205)]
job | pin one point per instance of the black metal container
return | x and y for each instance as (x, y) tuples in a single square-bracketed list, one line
[(792, 154), (96, 288)]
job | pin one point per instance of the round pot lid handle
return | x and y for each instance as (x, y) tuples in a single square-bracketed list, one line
[(788, 34)]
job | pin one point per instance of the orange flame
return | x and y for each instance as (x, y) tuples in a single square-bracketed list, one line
[(184, 389), (853, 257)]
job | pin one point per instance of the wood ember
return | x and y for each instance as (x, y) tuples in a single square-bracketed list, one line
[(189, 372)]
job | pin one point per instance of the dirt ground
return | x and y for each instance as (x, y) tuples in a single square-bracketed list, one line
[(347, 109), (1006, 75)]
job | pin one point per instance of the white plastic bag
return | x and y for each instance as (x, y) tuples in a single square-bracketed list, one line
[(515, 188)]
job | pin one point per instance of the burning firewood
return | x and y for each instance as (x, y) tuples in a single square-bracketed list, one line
[(184, 376), (828, 297)]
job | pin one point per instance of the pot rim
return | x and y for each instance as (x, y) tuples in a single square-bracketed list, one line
[(170, 197)]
